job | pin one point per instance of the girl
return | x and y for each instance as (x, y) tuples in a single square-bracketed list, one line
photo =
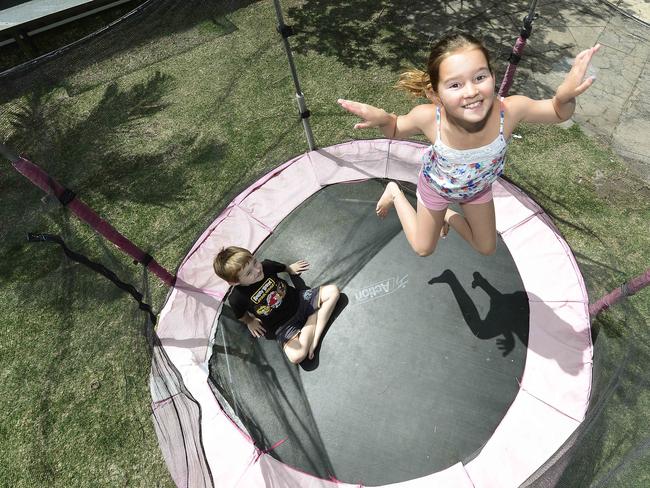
[(470, 128)]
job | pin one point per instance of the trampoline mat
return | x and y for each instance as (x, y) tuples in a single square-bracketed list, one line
[(414, 373)]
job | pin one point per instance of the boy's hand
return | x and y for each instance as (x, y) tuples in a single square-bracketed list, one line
[(298, 267), (574, 84), (255, 327), (372, 116)]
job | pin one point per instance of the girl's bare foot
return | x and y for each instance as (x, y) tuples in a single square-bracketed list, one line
[(445, 226), (387, 198), (444, 230)]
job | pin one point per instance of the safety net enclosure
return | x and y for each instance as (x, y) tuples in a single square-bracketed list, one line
[(459, 369), (411, 381), (31, 28)]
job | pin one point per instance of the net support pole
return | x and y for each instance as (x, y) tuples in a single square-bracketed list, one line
[(625, 290), (518, 50), (287, 31), (45, 182)]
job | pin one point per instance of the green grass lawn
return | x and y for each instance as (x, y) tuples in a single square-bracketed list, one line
[(158, 147)]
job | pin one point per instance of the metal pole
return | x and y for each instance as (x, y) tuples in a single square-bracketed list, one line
[(531, 14), (286, 31)]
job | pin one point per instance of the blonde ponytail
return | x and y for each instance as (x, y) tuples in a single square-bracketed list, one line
[(415, 82)]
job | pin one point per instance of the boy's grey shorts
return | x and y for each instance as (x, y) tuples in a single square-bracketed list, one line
[(307, 305)]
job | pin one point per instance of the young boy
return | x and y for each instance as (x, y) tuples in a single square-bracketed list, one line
[(270, 307)]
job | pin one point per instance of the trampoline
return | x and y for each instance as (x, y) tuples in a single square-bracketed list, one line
[(451, 370)]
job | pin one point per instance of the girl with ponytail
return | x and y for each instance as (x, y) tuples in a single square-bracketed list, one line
[(469, 127)]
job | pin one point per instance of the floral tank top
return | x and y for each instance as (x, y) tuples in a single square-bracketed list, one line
[(461, 174)]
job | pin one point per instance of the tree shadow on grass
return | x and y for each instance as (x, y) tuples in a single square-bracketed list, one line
[(45, 129), (96, 156), (74, 361), (93, 155), (395, 34), (364, 33), (154, 31)]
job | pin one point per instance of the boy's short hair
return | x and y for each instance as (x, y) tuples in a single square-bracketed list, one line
[(230, 261)]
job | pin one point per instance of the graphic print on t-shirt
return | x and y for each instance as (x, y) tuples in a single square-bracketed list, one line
[(269, 296)]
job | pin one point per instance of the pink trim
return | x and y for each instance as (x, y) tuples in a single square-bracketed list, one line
[(277, 444), (554, 391), (161, 403)]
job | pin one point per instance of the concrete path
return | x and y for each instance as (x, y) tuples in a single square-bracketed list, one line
[(617, 107)]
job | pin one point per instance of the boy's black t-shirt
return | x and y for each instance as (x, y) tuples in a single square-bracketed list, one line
[(271, 299)]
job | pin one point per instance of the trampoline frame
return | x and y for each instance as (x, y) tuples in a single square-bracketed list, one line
[(550, 403)]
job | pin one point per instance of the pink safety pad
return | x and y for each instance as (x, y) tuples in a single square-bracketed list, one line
[(231, 454), (544, 261), (559, 358), (556, 383), (275, 473), (526, 437), (185, 325), (271, 203), (361, 160), (358, 160), (405, 161), (511, 206)]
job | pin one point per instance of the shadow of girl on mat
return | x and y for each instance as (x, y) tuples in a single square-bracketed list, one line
[(507, 317)]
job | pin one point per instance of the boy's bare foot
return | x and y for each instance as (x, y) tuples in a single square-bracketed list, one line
[(312, 349), (387, 198)]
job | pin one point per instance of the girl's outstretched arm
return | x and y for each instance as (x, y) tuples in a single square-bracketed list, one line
[(391, 125), (562, 105)]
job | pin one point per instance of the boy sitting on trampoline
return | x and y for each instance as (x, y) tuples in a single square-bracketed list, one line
[(270, 307)]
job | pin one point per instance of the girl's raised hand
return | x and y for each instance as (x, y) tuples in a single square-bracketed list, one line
[(372, 116), (574, 84)]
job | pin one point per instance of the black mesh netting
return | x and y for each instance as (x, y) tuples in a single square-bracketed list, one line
[(368, 399), (611, 446)]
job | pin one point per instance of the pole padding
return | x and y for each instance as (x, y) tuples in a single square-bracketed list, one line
[(45, 182), (623, 291)]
